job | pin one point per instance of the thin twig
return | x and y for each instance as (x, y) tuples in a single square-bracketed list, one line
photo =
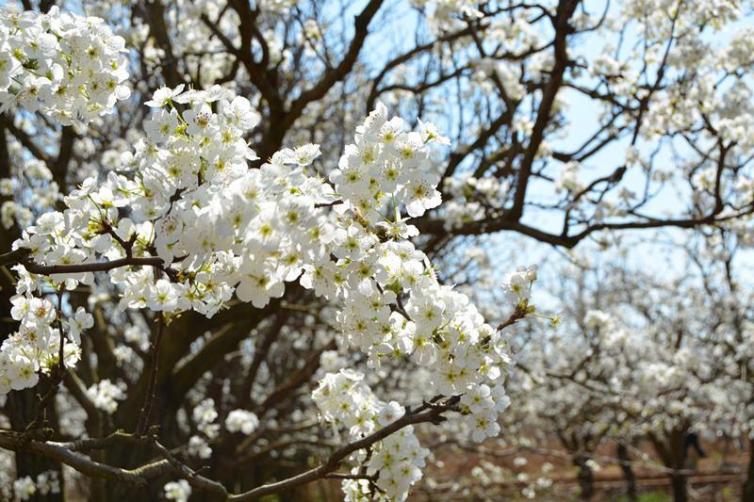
[(149, 396), (431, 415)]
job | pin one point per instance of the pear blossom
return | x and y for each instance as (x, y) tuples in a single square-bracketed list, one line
[(242, 421), (178, 490)]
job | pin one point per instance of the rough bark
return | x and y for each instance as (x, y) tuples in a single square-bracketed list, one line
[(585, 477), (628, 472), (747, 490)]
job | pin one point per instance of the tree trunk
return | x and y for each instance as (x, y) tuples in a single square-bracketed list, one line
[(679, 479), (680, 487), (628, 472), (585, 477), (671, 448), (747, 490)]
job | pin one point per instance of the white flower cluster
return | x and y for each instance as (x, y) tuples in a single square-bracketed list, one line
[(105, 395), (385, 160), (518, 283), (449, 14), (27, 487), (178, 490), (196, 205), (67, 66), (471, 197), (10, 211), (35, 347), (242, 421), (22, 200), (569, 178), (660, 18), (204, 416), (482, 405), (196, 156), (188, 223), (489, 474), (345, 400)]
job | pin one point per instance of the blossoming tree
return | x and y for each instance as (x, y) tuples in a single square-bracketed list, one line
[(645, 363), (224, 249)]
